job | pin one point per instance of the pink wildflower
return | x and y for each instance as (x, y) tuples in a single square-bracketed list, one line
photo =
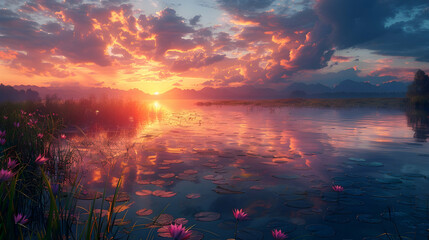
[(278, 234), (177, 232), (11, 164), (20, 219), (40, 160), (239, 214), (337, 188), (5, 175)]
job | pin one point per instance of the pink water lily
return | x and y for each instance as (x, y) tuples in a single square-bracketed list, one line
[(20, 219), (63, 136), (2, 141), (337, 188), (16, 124), (40, 135), (40, 160), (177, 232), (278, 234), (239, 214), (11, 164), (5, 175)]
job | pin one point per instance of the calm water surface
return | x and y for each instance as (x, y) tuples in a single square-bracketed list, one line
[(278, 164)]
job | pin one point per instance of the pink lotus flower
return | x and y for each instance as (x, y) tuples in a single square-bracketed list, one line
[(16, 124), (63, 136), (177, 232), (2, 134), (40, 160), (5, 117), (5, 175), (278, 235), (11, 164), (40, 135), (239, 214), (337, 188), (20, 219), (2, 141)]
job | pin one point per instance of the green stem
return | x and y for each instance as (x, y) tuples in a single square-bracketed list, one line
[(235, 234)]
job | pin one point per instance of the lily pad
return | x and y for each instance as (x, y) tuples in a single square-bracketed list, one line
[(357, 159), (162, 193), (224, 190), (388, 180), (103, 212), (88, 195), (144, 212), (371, 164), (120, 197), (285, 176), (144, 192), (190, 172), (121, 222), (213, 177), (181, 221), (299, 204), (193, 195), (207, 216), (163, 219), (167, 175)]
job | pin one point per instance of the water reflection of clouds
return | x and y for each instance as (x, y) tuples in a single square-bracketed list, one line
[(303, 148)]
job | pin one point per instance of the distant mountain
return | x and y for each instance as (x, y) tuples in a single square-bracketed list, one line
[(307, 88), (245, 92), (76, 92), (10, 94), (345, 89), (353, 87), (394, 87)]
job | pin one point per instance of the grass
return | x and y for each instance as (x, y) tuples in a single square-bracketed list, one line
[(44, 193)]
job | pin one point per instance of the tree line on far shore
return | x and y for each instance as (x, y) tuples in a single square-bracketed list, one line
[(10, 94), (418, 91)]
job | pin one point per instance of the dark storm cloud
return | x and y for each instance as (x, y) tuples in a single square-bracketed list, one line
[(365, 24)]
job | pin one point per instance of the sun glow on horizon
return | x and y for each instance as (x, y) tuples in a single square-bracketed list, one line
[(156, 93)]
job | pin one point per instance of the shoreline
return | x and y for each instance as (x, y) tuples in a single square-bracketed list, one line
[(385, 103)]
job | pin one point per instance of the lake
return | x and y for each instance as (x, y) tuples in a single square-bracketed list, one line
[(277, 164)]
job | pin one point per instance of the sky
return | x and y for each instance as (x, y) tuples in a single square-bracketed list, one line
[(155, 46)]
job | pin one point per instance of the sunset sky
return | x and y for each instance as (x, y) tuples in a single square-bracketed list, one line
[(158, 45)]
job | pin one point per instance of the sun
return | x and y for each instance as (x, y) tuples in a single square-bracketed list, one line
[(156, 93)]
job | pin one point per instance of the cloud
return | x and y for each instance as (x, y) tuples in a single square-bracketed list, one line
[(196, 61), (341, 59), (255, 46), (193, 21), (244, 5), (365, 24)]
